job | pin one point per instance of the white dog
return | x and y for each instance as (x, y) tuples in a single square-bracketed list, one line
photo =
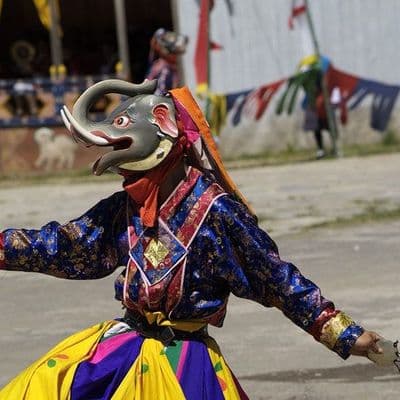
[(55, 151)]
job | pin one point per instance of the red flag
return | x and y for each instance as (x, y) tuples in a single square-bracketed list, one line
[(215, 46), (202, 45), (298, 21), (298, 8)]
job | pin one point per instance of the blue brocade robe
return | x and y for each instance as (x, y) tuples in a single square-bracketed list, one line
[(226, 253)]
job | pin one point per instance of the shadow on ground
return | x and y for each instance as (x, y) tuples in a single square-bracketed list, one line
[(350, 374)]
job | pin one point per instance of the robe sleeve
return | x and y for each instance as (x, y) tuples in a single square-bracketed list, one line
[(84, 248), (251, 266)]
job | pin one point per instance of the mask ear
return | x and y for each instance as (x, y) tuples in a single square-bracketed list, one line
[(165, 120)]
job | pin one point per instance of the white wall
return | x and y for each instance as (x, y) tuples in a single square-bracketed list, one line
[(359, 36)]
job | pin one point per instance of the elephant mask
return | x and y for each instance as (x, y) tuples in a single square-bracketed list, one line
[(141, 130)]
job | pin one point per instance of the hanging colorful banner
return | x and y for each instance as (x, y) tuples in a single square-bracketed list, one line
[(252, 103), (202, 47), (352, 91), (255, 102), (346, 92), (384, 98)]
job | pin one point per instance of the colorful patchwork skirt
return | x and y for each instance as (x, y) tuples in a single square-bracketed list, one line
[(112, 362)]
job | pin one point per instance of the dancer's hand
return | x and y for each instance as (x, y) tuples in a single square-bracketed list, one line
[(366, 343)]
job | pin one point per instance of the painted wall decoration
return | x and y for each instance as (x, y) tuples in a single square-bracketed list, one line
[(37, 151), (33, 139), (56, 152)]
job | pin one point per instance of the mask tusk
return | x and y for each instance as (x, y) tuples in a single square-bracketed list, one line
[(65, 119), (79, 131)]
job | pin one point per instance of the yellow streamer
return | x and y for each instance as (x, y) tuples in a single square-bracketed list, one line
[(217, 112), (44, 12), (43, 9)]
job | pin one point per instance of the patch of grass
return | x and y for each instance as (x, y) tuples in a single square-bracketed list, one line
[(371, 149), (261, 217), (390, 138), (372, 213), (292, 197), (389, 144), (75, 176), (310, 211), (372, 205), (360, 201), (287, 156)]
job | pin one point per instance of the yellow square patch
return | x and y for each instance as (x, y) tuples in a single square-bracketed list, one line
[(155, 252)]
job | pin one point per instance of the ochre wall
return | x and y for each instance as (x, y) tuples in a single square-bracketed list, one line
[(22, 152)]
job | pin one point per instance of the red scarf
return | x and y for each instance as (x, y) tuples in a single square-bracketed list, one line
[(145, 190)]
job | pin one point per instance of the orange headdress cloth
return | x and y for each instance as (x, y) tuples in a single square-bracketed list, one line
[(185, 98)]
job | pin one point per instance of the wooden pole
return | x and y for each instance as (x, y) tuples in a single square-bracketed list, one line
[(57, 67), (177, 29), (122, 37), (333, 130), (208, 103)]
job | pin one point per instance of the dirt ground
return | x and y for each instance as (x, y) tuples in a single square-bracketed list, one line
[(356, 265)]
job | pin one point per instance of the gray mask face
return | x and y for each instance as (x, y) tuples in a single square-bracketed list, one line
[(141, 130)]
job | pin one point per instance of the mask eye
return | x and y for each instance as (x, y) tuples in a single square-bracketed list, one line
[(122, 121)]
